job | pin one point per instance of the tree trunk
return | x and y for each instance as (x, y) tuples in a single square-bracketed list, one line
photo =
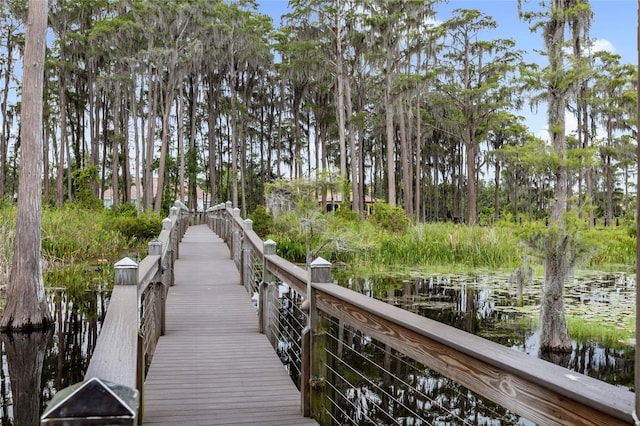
[(179, 115), (554, 336), (418, 148), (211, 124), (391, 169), (340, 80), (63, 138), (26, 306), (6, 125), (164, 143), (115, 151), (471, 182), (405, 164), (356, 204)]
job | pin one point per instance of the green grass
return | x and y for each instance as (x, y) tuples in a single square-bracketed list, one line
[(74, 239), (601, 330)]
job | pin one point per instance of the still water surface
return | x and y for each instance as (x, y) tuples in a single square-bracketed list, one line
[(36, 365), (492, 306)]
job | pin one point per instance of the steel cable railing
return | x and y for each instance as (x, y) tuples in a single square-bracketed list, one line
[(357, 360), (407, 396)]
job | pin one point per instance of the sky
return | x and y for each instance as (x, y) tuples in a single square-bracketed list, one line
[(614, 28)]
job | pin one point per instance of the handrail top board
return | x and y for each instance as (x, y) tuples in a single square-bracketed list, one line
[(117, 342)]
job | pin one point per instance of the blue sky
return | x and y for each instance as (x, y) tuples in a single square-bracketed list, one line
[(614, 28), (614, 21)]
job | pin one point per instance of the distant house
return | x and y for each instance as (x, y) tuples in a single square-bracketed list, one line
[(332, 202), (202, 195)]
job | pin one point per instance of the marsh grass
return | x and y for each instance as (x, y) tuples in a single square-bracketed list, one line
[(449, 244), (73, 240), (602, 330), (7, 238), (73, 235)]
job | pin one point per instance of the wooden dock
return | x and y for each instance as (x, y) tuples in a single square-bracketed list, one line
[(212, 367)]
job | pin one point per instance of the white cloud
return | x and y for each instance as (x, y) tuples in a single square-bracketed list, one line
[(571, 126), (601, 44)]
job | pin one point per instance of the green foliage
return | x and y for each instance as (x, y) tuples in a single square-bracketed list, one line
[(601, 330), (611, 246), (345, 215), (84, 180), (446, 243), (142, 228), (71, 235), (7, 238), (79, 277), (262, 221), (392, 219), (291, 246)]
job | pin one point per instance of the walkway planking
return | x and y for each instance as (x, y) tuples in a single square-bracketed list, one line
[(212, 367)]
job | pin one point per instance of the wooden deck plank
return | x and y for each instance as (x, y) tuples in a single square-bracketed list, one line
[(213, 367)]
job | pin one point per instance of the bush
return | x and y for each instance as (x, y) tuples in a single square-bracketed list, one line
[(262, 221), (71, 234), (142, 228), (392, 219)]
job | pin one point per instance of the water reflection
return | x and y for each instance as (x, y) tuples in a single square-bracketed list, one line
[(492, 307), (36, 365)]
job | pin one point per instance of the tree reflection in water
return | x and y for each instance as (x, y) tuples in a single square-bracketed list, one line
[(487, 305), (36, 365)]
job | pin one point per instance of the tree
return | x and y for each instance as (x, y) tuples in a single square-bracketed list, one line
[(26, 304), (558, 240), (475, 78)]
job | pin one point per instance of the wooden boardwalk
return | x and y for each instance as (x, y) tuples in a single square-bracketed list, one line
[(212, 367)]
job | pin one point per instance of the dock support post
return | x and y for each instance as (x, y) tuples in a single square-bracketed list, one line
[(245, 271), (313, 346), (268, 248)]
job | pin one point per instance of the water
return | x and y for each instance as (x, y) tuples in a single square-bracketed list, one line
[(490, 306), (36, 365)]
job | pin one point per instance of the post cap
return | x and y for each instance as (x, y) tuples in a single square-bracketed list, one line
[(92, 399), (320, 263), (126, 263)]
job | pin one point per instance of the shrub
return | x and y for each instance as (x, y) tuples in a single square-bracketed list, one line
[(392, 219), (142, 228), (262, 221), (71, 234)]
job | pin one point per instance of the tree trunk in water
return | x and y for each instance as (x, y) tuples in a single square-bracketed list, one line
[(26, 306), (554, 336), (25, 358)]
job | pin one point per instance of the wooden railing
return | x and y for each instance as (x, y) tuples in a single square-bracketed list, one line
[(113, 387), (537, 390)]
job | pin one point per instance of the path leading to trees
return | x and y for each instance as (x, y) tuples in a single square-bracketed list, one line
[(212, 367)]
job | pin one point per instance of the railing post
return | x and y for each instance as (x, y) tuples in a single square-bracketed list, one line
[(228, 224), (155, 249), (126, 272), (313, 346), (268, 248), (235, 238), (245, 271)]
